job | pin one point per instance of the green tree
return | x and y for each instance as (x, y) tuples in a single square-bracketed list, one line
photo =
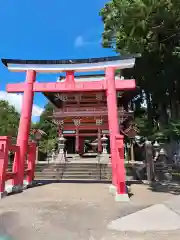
[(45, 123), (151, 28), (9, 119)]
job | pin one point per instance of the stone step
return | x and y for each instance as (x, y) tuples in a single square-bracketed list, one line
[(70, 180), (80, 177), (71, 164), (86, 171), (76, 171), (72, 177), (70, 173), (73, 172), (72, 169)]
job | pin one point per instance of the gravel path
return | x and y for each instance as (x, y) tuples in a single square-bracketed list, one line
[(74, 211)]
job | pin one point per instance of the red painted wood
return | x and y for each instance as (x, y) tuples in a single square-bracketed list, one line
[(16, 166), (121, 181), (10, 175), (81, 144), (31, 162), (80, 114), (112, 119), (15, 87), (65, 87), (95, 113), (70, 77), (4, 144), (81, 134), (91, 108), (25, 121), (13, 148), (84, 127), (99, 141), (77, 140)]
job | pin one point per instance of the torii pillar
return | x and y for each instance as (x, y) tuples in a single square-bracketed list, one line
[(117, 158), (112, 122), (25, 120)]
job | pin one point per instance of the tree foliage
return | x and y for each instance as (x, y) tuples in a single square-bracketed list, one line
[(151, 28), (9, 120), (48, 141)]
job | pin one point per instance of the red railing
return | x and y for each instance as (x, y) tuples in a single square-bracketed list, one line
[(6, 147), (86, 109)]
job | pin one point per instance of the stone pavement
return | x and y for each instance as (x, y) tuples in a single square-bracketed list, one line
[(70, 211)]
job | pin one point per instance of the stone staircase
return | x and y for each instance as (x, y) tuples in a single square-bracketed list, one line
[(73, 171), (84, 170)]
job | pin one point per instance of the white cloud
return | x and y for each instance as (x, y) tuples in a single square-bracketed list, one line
[(79, 41), (16, 101)]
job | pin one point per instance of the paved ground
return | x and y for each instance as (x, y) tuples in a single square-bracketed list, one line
[(74, 211)]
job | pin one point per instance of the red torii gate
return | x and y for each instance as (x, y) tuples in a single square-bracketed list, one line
[(109, 84)]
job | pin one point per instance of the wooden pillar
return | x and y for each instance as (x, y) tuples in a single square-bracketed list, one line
[(60, 126), (99, 141), (121, 177), (31, 162), (112, 119), (81, 145), (4, 149), (60, 131), (99, 122), (77, 140), (25, 120), (132, 150), (70, 77), (77, 123)]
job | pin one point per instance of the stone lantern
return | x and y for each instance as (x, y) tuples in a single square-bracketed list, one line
[(104, 156), (156, 146), (61, 155), (104, 144), (61, 144)]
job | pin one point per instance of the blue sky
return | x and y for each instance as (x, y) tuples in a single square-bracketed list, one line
[(44, 29)]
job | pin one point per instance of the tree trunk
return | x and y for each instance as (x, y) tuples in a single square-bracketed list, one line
[(149, 110)]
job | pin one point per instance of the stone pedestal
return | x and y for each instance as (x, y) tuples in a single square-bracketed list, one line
[(60, 158), (76, 156), (104, 158)]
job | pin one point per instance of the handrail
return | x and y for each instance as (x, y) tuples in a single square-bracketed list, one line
[(87, 109)]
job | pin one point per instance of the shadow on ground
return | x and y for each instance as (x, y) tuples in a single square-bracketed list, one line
[(47, 181), (7, 219), (39, 183), (167, 187)]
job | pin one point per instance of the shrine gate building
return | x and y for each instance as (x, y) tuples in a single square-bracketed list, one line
[(82, 117)]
